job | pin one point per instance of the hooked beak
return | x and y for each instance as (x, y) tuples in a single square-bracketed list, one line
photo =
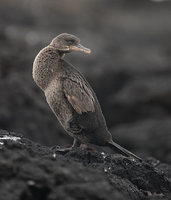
[(81, 48)]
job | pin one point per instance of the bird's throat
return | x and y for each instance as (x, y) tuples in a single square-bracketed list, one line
[(61, 54)]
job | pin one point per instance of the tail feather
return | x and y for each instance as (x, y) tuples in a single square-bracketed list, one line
[(123, 150)]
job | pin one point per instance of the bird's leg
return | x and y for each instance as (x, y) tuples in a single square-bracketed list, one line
[(76, 143)]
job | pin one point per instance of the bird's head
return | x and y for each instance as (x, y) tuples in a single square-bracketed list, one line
[(66, 43)]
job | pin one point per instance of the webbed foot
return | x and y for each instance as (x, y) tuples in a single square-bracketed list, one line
[(86, 147), (76, 143), (61, 149)]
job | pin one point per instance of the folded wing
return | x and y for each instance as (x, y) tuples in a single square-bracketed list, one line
[(79, 95)]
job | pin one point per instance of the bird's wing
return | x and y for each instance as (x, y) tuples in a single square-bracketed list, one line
[(79, 94)]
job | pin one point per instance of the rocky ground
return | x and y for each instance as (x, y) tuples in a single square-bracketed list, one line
[(31, 171)]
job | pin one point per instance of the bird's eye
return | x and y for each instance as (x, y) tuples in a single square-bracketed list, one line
[(70, 42)]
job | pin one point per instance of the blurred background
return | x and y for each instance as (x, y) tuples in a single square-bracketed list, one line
[(129, 68)]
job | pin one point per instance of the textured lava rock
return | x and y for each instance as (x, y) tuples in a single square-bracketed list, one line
[(31, 171)]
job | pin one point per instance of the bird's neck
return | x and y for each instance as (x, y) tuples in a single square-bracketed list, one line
[(45, 66)]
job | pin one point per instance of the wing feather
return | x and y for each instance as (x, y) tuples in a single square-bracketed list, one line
[(79, 95)]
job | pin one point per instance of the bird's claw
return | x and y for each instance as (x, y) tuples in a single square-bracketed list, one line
[(59, 149)]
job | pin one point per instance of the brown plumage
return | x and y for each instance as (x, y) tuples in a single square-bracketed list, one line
[(70, 96)]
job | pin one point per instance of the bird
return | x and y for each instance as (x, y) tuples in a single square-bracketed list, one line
[(70, 96)]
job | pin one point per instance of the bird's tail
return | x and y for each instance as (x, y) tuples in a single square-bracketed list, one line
[(113, 145)]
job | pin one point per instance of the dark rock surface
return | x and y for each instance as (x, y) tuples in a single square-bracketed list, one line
[(30, 171)]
